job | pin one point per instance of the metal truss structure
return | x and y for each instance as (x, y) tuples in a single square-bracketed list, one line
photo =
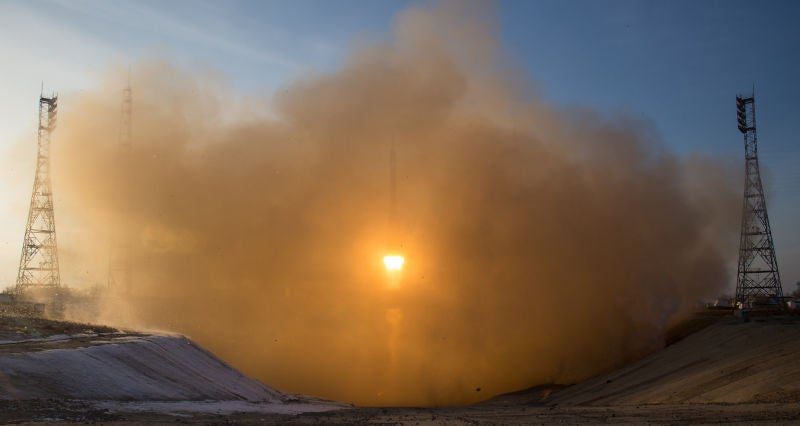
[(757, 275), (119, 274), (38, 265)]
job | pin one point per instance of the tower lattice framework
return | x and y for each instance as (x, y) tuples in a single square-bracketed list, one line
[(38, 265), (119, 274), (757, 274)]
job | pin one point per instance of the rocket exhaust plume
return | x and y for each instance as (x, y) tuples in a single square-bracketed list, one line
[(393, 262), (548, 244)]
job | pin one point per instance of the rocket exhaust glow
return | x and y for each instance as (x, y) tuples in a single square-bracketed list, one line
[(393, 262)]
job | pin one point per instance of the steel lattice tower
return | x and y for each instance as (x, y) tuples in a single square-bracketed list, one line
[(757, 274), (38, 264), (392, 184), (118, 263)]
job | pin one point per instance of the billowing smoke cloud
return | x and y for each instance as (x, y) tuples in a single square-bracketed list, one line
[(542, 244)]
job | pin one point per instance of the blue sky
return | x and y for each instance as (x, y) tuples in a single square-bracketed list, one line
[(675, 63)]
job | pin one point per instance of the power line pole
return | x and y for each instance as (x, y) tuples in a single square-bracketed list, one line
[(38, 264), (392, 185), (119, 251), (757, 275), (126, 114)]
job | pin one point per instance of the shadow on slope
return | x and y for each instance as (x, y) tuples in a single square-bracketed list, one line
[(727, 362), (710, 358)]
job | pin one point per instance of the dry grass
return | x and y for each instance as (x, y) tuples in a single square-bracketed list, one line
[(19, 328)]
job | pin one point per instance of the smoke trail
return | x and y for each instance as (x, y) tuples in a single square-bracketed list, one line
[(542, 244)]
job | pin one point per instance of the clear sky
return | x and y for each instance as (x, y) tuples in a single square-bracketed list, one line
[(675, 63)]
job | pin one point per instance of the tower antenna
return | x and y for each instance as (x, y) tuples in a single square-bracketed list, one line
[(757, 272), (119, 274), (38, 264), (392, 183)]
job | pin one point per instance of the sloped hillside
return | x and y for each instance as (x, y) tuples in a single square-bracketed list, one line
[(159, 368), (728, 362)]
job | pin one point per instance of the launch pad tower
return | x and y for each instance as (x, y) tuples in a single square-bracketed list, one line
[(119, 274), (757, 274), (38, 264)]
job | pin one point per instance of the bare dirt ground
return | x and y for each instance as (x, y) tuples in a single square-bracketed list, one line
[(24, 328), (25, 335), (81, 411)]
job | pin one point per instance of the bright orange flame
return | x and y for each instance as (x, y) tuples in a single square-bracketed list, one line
[(393, 262)]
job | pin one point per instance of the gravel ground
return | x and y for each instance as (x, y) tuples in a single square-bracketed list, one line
[(79, 411)]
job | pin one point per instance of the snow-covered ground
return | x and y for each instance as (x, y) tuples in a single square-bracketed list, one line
[(160, 373), (53, 338), (179, 408)]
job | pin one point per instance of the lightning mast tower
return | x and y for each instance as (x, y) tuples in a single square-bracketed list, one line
[(392, 185), (38, 264), (757, 274), (118, 263)]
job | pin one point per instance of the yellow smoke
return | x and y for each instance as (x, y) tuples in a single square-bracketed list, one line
[(544, 244)]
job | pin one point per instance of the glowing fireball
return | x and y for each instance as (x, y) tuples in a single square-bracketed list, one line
[(393, 262)]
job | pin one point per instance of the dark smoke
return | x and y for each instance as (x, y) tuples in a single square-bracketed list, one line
[(542, 244)]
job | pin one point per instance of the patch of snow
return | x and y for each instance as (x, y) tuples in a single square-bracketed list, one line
[(182, 408), (122, 339), (148, 368), (53, 338)]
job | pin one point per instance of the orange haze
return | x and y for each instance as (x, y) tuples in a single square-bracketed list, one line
[(542, 244)]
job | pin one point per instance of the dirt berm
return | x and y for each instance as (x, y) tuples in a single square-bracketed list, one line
[(730, 361)]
